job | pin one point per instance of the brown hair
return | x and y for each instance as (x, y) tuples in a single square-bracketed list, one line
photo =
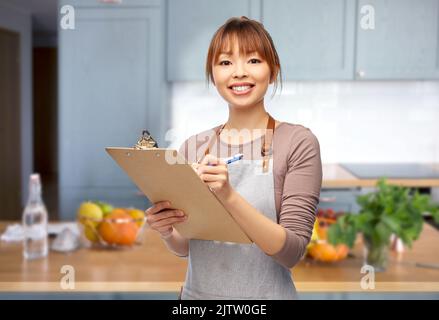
[(252, 37)]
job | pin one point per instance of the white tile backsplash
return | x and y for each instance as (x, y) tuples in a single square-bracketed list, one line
[(371, 121)]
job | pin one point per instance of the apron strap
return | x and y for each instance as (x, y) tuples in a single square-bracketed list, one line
[(268, 137), (266, 142)]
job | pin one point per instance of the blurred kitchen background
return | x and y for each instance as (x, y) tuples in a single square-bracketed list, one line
[(362, 75), (77, 76)]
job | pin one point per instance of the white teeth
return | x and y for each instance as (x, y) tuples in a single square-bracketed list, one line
[(241, 88)]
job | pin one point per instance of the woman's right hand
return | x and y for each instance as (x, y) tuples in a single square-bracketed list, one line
[(161, 217)]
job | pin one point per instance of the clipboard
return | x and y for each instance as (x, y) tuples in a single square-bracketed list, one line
[(160, 179)]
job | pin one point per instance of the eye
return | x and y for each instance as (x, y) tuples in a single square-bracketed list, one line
[(254, 60), (224, 63)]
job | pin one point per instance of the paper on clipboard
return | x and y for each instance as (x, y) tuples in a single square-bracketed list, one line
[(159, 179)]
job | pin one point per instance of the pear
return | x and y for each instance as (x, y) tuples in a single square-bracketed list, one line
[(91, 233), (89, 213), (105, 207)]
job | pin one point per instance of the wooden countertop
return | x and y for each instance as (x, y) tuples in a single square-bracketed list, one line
[(335, 176), (150, 267)]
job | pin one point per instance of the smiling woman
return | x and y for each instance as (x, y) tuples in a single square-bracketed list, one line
[(240, 48), (272, 193)]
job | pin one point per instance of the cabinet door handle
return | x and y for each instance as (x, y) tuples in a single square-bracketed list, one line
[(110, 1), (328, 199), (361, 73)]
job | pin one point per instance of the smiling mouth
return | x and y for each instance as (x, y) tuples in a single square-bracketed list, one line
[(241, 89)]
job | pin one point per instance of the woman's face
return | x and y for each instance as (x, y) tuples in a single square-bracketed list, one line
[(242, 80)]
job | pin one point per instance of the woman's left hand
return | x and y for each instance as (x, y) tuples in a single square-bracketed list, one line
[(214, 173)]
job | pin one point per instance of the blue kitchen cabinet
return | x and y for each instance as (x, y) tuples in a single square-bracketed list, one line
[(111, 86), (314, 38), (403, 43), (191, 25)]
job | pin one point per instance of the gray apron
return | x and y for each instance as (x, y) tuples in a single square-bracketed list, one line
[(222, 270)]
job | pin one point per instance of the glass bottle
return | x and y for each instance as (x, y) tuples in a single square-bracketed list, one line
[(34, 219)]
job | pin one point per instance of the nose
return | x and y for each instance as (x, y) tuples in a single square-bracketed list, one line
[(240, 70)]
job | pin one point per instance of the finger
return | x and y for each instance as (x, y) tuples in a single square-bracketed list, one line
[(212, 169), (169, 214), (210, 177), (210, 159), (165, 228), (157, 207), (166, 222), (164, 215), (213, 186)]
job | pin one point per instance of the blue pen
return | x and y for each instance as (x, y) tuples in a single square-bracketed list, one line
[(230, 160), (236, 157)]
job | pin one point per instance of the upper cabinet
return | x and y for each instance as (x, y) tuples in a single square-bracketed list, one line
[(191, 25), (110, 89), (403, 40), (314, 38)]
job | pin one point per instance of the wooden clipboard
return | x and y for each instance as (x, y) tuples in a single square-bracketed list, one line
[(164, 174)]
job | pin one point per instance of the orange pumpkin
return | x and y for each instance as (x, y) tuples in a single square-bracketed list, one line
[(319, 249), (323, 251)]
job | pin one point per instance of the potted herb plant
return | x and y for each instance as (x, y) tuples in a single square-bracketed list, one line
[(389, 210)]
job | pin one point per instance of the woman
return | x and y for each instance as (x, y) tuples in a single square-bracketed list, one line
[(272, 194)]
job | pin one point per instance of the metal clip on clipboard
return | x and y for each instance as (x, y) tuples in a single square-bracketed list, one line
[(146, 141)]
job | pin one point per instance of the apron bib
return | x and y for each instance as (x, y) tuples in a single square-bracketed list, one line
[(222, 270)]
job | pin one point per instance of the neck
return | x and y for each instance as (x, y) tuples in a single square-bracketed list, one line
[(254, 117)]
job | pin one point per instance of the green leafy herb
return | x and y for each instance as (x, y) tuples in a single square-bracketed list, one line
[(389, 210)]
